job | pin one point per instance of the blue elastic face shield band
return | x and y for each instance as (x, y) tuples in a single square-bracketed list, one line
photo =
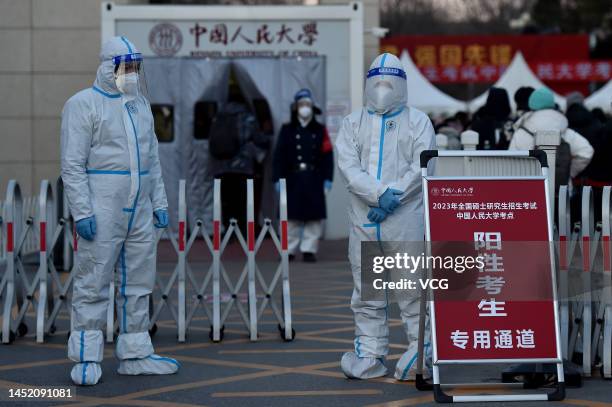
[(386, 71), (123, 63), (137, 57)]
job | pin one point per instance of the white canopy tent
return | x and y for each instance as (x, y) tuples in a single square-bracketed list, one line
[(601, 98), (517, 74), (425, 96)]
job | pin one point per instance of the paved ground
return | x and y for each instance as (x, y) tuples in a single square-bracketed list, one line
[(236, 371)]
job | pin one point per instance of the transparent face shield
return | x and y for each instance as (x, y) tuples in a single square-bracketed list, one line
[(130, 76), (385, 87)]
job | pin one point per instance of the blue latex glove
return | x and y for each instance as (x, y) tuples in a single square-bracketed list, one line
[(377, 215), (86, 228), (162, 218), (277, 187), (327, 184), (389, 200)]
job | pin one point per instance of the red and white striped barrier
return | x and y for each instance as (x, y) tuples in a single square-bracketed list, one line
[(567, 246), (283, 315), (588, 250), (15, 284), (181, 247), (49, 293), (48, 235), (604, 315)]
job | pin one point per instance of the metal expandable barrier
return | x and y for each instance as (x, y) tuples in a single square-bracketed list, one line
[(15, 284)]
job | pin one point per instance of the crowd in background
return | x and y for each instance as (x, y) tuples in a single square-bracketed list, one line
[(586, 135)]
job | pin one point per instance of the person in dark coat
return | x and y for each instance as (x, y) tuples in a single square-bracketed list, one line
[(599, 171), (491, 119), (304, 157), (581, 120), (521, 98)]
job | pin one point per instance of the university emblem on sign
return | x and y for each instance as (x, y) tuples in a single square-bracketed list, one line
[(165, 39), (435, 191)]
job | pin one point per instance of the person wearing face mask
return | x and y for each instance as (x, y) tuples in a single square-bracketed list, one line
[(304, 157), (112, 178), (379, 149)]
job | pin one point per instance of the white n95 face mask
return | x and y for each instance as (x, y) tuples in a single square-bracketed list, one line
[(305, 112), (128, 84), (382, 97)]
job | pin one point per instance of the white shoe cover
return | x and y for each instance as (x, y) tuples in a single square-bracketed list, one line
[(355, 367), (406, 367), (151, 365), (86, 373)]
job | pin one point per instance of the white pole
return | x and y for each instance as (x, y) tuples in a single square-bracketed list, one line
[(285, 260), (216, 261), (469, 140), (548, 141), (12, 204), (182, 217), (251, 259), (45, 202)]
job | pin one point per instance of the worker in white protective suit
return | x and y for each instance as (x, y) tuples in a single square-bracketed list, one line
[(378, 155), (113, 182)]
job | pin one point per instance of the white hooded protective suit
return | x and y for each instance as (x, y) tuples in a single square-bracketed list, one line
[(379, 147), (110, 169)]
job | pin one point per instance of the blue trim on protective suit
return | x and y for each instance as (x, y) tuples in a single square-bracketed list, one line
[(114, 172), (409, 365), (123, 284), (84, 375), (379, 173), (108, 172), (357, 346), (82, 345), (108, 95), (138, 161), (390, 115), (124, 271), (165, 359), (382, 63), (380, 147), (127, 44), (374, 225)]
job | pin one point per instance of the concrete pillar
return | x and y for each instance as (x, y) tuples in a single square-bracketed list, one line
[(549, 140), (469, 139)]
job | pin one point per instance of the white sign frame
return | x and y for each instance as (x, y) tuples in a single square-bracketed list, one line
[(352, 12)]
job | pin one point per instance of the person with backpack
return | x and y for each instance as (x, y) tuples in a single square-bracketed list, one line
[(237, 148), (304, 157), (573, 154)]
